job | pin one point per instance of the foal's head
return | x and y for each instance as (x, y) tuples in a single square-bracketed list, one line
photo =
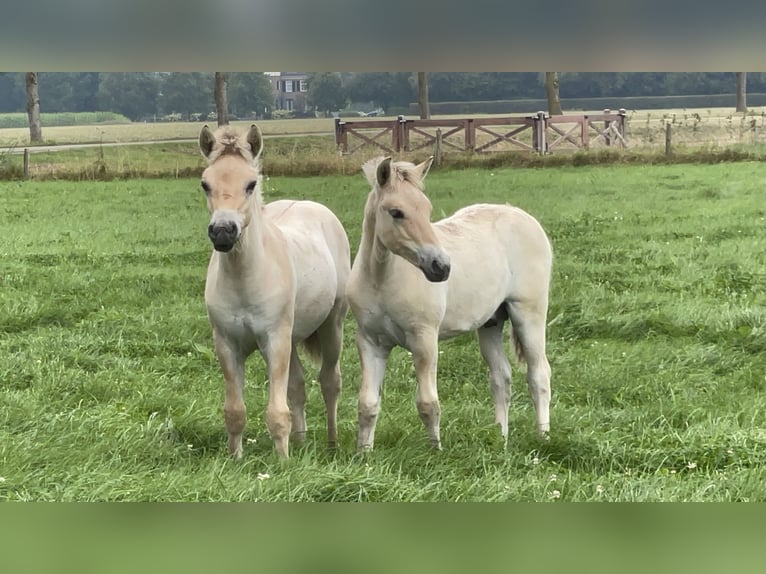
[(403, 215), (232, 181)]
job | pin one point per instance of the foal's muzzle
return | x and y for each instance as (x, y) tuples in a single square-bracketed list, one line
[(223, 235), (435, 266)]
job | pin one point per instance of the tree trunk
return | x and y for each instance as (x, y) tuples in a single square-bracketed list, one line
[(423, 95), (33, 108), (221, 98), (552, 91), (741, 91)]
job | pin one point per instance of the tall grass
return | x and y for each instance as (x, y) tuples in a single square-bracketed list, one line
[(657, 330)]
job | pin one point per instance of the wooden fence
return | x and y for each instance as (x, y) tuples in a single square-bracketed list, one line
[(538, 133)]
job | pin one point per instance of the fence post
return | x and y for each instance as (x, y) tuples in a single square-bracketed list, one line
[(607, 123), (26, 163), (404, 127), (470, 135), (539, 129), (621, 126), (668, 143), (584, 132), (438, 148)]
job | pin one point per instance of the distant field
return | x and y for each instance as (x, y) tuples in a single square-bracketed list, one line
[(656, 340), (710, 125)]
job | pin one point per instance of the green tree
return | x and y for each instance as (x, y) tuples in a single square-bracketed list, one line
[(12, 96), (187, 93), (382, 88), (70, 91), (133, 94), (250, 93), (326, 92)]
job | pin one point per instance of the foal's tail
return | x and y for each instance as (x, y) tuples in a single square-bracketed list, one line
[(517, 346), (312, 347)]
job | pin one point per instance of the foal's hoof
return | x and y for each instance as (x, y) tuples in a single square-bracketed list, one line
[(299, 437)]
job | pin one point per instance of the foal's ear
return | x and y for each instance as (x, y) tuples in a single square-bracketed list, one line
[(424, 167), (383, 173), (206, 141), (255, 140)]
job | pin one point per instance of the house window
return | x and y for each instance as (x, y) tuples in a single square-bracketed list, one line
[(289, 103), (304, 86), (288, 85)]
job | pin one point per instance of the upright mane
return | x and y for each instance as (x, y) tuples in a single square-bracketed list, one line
[(400, 171), (230, 141)]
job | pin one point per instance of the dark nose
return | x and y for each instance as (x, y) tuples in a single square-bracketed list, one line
[(436, 271), (223, 235), (440, 270)]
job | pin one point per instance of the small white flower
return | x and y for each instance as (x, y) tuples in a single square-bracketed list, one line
[(672, 471), (188, 354), (730, 452), (190, 446), (251, 441), (552, 478), (535, 460), (263, 476), (599, 489), (554, 494), (691, 465)]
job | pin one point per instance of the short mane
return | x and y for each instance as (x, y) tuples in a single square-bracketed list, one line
[(229, 141), (400, 171)]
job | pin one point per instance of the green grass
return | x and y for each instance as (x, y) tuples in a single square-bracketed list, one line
[(657, 334)]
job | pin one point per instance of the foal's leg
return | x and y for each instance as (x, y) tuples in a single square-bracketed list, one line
[(373, 363), (528, 320), (494, 354), (296, 397), (234, 411), (425, 353), (277, 351), (331, 342)]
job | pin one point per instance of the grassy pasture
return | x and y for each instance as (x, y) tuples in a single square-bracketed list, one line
[(657, 334)]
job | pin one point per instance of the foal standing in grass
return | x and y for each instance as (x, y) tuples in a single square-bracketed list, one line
[(413, 283), (277, 278)]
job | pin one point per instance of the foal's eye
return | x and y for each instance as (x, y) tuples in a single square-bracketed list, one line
[(251, 187), (396, 213), (205, 187)]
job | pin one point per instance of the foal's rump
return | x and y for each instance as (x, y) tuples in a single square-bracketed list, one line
[(499, 254)]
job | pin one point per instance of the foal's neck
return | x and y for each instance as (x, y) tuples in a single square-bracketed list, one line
[(250, 251)]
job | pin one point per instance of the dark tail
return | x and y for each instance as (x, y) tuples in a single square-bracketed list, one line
[(517, 346)]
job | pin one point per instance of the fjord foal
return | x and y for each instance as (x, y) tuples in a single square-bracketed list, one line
[(413, 283), (277, 278)]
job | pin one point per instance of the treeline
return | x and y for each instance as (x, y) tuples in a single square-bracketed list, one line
[(176, 95), (139, 95)]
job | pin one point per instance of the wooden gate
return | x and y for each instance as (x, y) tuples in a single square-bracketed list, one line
[(539, 133)]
